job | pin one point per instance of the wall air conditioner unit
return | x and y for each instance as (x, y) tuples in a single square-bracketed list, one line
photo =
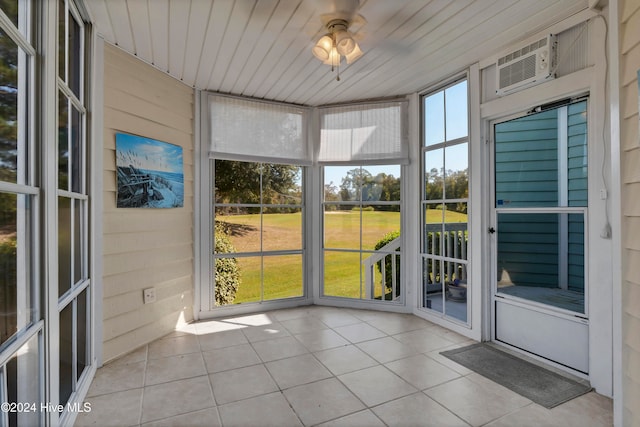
[(527, 66)]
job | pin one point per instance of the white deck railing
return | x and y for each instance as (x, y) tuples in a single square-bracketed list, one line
[(391, 249)]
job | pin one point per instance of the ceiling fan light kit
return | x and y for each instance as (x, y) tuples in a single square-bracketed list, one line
[(337, 43)]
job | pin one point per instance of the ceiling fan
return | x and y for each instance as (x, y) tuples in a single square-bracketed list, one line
[(339, 41)]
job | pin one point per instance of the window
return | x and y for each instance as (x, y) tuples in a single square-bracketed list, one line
[(21, 320), (445, 201), (73, 203), (362, 150), (362, 243), (258, 238)]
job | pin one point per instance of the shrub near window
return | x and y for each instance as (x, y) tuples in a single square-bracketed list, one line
[(388, 269), (227, 275)]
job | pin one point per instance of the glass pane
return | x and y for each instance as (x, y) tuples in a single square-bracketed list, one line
[(377, 224), (8, 266), (433, 218), (10, 8), (237, 233), (344, 183), (577, 154), (63, 142), (78, 241), (62, 38), (526, 161), (541, 258), (23, 383), (433, 174), (281, 229), (250, 286), (381, 272), (455, 243), (456, 108), (341, 227), (456, 300), (66, 353), (456, 168), (82, 359), (434, 119), (283, 277), (10, 151), (75, 55), (227, 280), (281, 184), (16, 304), (237, 182), (342, 274), (64, 245), (383, 185), (433, 284), (77, 153)]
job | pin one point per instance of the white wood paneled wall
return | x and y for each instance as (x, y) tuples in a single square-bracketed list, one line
[(145, 247)]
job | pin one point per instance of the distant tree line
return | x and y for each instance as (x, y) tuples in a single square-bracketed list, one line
[(360, 185)]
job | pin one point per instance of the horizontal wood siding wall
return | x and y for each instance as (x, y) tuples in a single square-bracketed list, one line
[(145, 247), (630, 170)]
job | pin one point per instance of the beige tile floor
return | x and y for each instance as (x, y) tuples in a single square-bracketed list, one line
[(314, 366)]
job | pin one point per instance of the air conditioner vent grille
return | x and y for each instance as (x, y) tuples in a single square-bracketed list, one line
[(518, 71), (527, 66), (522, 51)]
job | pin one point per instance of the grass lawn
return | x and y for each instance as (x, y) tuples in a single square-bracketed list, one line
[(282, 274)]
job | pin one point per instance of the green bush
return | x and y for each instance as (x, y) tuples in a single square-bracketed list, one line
[(363, 209), (227, 274), (388, 261)]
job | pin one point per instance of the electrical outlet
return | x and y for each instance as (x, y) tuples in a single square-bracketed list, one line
[(149, 295)]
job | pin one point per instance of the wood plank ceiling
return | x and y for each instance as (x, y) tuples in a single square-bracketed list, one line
[(262, 48)]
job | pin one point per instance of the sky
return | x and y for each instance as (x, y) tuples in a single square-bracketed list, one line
[(442, 119), (146, 153)]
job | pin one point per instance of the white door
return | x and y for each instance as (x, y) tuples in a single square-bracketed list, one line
[(538, 234)]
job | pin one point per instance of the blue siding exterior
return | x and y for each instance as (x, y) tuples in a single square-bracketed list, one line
[(526, 174)]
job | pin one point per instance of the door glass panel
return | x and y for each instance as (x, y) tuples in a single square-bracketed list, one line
[(539, 165), (532, 264)]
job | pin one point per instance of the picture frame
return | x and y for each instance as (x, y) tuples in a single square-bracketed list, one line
[(149, 173)]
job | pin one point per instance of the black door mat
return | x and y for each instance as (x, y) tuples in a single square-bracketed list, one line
[(534, 382)]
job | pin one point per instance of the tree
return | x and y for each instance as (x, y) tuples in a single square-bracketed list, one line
[(239, 182), (353, 183), (8, 118)]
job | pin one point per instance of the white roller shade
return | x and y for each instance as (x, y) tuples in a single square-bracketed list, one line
[(372, 133), (244, 129)]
